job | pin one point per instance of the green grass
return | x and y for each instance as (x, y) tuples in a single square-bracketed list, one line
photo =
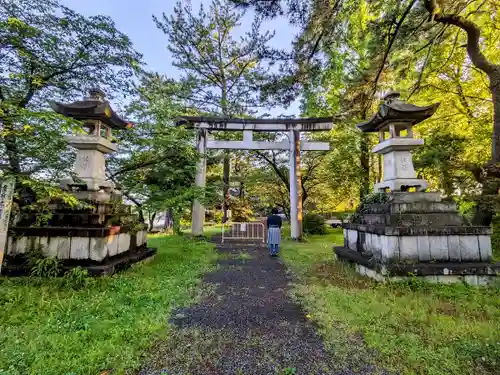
[(414, 327), (50, 329)]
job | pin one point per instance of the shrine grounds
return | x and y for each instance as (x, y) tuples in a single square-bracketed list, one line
[(116, 324)]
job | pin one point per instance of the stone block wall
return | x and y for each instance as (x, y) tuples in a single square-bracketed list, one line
[(454, 247), (77, 247)]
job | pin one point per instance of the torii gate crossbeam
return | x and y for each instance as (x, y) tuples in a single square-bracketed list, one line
[(292, 127)]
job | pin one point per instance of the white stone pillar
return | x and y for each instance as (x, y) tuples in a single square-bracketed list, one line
[(198, 213), (7, 186), (294, 212)]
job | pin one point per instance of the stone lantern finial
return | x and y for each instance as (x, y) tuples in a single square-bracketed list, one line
[(391, 96), (97, 94)]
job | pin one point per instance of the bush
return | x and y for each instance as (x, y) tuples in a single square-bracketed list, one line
[(241, 211), (46, 267), (77, 278), (314, 224)]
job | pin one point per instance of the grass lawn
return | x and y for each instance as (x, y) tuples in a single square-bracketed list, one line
[(48, 328), (414, 327)]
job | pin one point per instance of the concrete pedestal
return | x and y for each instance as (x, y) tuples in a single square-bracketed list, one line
[(399, 172), (418, 234)]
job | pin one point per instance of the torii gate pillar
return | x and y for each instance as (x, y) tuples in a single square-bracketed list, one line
[(198, 212), (292, 127), (295, 186)]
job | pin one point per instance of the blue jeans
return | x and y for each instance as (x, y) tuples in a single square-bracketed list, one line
[(273, 249)]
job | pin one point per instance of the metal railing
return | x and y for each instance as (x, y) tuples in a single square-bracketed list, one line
[(244, 231)]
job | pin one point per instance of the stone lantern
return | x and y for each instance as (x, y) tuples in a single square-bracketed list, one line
[(103, 235), (98, 119), (394, 122), (400, 232)]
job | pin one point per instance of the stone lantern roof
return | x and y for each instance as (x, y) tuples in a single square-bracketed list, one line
[(95, 107), (394, 110)]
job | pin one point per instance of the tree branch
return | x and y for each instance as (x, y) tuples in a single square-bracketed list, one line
[(421, 73), (391, 42), (473, 35), (275, 168)]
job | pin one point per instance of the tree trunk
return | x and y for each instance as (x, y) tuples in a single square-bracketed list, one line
[(487, 205), (152, 220), (168, 219), (242, 190), (364, 158), (141, 214), (11, 145), (495, 94)]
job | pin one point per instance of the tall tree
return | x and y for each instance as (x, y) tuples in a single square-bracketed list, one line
[(224, 73), (48, 51), (156, 162), (456, 14)]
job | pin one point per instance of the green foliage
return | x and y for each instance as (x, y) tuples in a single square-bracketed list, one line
[(77, 278), (495, 238), (241, 211), (440, 160), (314, 224), (372, 198), (51, 52), (157, 164), (289, 371), (220, 71), (46, 267), (403, 324), (50, 328), (34, 254)]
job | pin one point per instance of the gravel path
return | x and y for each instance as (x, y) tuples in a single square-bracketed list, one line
[(246, 324)]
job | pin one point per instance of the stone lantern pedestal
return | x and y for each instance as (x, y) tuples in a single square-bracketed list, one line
[(104, 235), (405, 231)]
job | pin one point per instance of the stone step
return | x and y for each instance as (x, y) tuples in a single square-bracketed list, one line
[(410, 220), (411, 207)]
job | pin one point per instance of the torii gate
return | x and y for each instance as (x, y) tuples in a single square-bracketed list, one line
[(291, 126)]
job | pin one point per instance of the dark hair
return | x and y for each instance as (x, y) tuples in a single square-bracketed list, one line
[(274, 211)]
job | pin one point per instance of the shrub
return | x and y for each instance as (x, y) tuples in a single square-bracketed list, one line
[(77, 277), (314, 224), (241, 211), (46, 267)]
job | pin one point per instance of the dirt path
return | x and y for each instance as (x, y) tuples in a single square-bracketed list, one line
[(247, 324)]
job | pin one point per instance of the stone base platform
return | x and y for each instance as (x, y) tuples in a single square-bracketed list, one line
[(472, 273), (100, 250), (16, 264)]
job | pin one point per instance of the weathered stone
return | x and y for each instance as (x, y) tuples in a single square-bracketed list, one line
[(139, 238), (454, 248), (9, 246), (471, 280), (123, 242), (21, 246), (47, 250), (64, 248), (392, 247), (352, 239), (408, 248), (438, 246), (469, 248), (80, 248), (485, 250), (415, 197), (424, 251), (98, 249), (112, 242)]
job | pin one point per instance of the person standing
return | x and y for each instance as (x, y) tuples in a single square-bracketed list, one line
[(274, 232)]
